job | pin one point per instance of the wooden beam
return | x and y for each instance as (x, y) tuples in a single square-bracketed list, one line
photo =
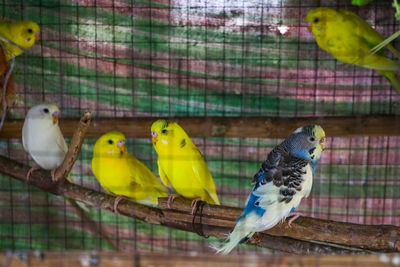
[(261, 127), (112, 259)]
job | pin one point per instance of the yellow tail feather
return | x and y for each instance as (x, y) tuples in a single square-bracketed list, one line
[(392, 78)]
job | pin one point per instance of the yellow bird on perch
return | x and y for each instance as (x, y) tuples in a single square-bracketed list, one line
[(122, 174), (181, 165)]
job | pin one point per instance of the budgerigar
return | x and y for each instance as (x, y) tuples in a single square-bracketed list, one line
[(181, 165), (42, 138), (350, 40), (18, 36), (283, 180), (123, 175)]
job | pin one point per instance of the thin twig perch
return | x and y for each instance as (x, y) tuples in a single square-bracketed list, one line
[(63, 171)]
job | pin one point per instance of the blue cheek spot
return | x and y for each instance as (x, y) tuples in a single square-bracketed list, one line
[(311, 150), (319, 29), (301, 154), (291, 210)]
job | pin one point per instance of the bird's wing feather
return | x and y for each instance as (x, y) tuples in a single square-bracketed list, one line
[(279, 179), (203, 175), (24, 137), (60, 141), (287, 177), (163, 176), (271, 162), (142, 175), (365, 31)]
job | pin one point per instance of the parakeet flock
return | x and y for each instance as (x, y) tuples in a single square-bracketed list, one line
[(285, 177), (283, 180)]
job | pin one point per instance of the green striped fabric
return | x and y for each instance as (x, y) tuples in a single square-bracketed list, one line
[(130, 58)]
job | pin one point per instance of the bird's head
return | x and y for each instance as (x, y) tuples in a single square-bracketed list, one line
[(45, 114), (167, 135), (318, 18), (26, 33), (111, 144), (307, 142)]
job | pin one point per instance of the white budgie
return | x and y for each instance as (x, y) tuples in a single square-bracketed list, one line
[(42, 137)]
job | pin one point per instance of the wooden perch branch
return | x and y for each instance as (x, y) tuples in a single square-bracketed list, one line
[(113, 259), (261, 127), (219, 220), (63, 171), (172, 218), (370, 237)]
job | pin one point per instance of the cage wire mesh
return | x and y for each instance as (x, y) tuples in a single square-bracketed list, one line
[(200, 58)]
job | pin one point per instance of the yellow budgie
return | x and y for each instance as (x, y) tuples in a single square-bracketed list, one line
[(18, 36), (181, 164), (350, 39), (123, 175)]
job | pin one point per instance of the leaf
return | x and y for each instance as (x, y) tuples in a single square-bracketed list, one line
[(360, 2)]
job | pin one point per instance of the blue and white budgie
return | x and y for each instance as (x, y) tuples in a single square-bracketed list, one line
[(283, 180)]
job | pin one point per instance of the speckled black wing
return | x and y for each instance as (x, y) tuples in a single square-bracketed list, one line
[(283, 171)]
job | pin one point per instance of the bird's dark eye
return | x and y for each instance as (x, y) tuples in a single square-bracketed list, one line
[(110, 142), (164, 131), (316, 20), (46, 110), (30, 31), (312, 139)]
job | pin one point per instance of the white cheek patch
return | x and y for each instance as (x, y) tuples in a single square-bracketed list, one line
[(164, 142)]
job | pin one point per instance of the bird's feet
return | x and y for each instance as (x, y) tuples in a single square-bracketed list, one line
[(30, 172), (116, 202), (294, 216), (171, 199), (194, 204)]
